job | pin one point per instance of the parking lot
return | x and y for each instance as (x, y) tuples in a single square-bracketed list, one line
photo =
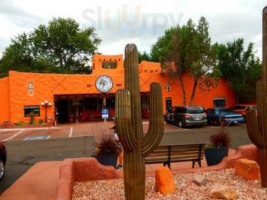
[(26, 146), (65, 131)]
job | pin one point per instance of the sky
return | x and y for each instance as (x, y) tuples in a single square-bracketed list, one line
[(119, 22)]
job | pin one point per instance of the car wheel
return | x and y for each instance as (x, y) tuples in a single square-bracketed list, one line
[(216, 122), (2, 169), (180, 124)]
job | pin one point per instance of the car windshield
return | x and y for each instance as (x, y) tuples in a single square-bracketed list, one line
[(194, 110)]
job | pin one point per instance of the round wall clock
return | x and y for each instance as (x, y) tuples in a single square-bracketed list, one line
[(104, 83)]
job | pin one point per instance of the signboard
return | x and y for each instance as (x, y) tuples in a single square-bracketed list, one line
[(104, 113)]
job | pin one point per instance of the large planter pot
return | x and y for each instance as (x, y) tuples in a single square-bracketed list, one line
[(215, 155), (107, 159)]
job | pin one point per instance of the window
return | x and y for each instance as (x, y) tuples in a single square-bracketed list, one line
[(195, 109), (180, 110), (31, 109), (237, 107), (219, 102), (109, 64)]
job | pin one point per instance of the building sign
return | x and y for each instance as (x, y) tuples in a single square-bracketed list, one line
[(104, 84), (104, 113), (30, 88)]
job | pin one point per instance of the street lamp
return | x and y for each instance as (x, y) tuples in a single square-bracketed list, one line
[(46, 105)]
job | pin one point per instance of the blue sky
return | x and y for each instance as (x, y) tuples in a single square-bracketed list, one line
[(142, 22)]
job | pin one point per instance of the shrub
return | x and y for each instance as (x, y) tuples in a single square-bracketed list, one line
[(32, 118), (108, 145), (41, 121), (21, 123), (220, 139)]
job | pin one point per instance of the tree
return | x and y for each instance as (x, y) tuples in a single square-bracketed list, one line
[(61, 47), (188, 48), (143, 56), (240, 67), (167, 51), (203, 58)]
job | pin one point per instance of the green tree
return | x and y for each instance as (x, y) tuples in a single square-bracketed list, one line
[(143, 56), (61, 46), (240, 67), (188, 48), (202, 64)]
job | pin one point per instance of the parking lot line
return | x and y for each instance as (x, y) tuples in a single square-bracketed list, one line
[(71, 131), (13, 135)]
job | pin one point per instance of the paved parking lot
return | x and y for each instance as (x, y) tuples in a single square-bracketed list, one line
[(65, 131), (27, 146)]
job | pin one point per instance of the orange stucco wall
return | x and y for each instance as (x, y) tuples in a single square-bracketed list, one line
[(4, 100), (48, 85)]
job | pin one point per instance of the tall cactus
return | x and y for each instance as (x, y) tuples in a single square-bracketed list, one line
[(257, 122), (129, 125)]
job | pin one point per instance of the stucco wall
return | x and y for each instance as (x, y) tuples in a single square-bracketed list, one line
[(4, 100), (45, 86)]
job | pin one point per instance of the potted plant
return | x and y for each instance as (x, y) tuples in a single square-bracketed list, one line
[(107, 150), (218, 147)]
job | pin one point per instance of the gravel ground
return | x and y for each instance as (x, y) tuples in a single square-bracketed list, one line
[(185, 188)]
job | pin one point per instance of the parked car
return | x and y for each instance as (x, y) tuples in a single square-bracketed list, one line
[(242, 108), (184, 116), (3, 156), (216, 116)]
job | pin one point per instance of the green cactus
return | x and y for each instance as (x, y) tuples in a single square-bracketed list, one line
[(129, 126), (257, 121)]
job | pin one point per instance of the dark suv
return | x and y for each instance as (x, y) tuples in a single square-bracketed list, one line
[(183, 116), (2, 160)]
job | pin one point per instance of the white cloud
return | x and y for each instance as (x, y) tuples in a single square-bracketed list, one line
[(122, 21)]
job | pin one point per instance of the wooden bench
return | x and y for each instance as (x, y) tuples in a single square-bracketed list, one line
[(177, 153)]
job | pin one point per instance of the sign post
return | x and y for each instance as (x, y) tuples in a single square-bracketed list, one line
[(105, 114)]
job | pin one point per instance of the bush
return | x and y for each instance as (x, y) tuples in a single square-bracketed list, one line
[(41, 121), (21, 123), (32, 118), (108, 145), (220, 139)]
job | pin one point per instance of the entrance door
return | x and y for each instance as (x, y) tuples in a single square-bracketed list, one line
[(63, 111)]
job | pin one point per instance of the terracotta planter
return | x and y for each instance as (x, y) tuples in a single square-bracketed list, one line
[(214, 155)]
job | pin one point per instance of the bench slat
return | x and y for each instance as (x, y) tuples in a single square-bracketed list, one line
[(178, 153)]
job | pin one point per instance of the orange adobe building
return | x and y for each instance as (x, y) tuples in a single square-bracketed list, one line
[(81, 97)]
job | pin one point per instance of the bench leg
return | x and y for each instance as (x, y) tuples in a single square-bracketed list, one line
[(193, 164), (199, 163), (168, 164)]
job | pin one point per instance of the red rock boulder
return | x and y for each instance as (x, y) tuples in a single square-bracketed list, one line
[(164, 181), (248, 169), (223, 192)]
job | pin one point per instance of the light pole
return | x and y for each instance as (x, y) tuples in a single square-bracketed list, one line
[(46, 105)]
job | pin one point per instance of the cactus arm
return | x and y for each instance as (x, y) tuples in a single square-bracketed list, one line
[(156, 124), (123, 120), (253, 129)]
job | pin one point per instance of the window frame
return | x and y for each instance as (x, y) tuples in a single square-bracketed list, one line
[(36, 114)]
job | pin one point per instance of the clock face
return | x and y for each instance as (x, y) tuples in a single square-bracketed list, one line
[(104, 83)]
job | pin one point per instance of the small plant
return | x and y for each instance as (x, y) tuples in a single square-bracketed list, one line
[(218, 147), (220, 139), (108, 145), (41, 121), (31, 118), (21, 123)]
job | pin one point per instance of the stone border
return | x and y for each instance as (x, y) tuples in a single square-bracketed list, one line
[(88, 169), (246, 151), (81, 170)]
